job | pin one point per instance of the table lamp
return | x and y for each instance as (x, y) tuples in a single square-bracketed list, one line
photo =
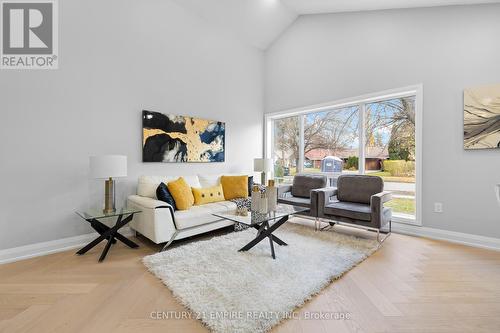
[(108, 167), (263, 165)]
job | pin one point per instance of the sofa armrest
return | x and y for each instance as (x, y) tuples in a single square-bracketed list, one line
[(321, 197), (283, 190), (156, 220), (148, 202)]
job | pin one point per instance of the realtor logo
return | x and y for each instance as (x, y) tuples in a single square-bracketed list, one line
[(29, 34)]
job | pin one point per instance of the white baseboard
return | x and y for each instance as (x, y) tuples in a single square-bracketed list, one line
[(450, 236), (44, 248)]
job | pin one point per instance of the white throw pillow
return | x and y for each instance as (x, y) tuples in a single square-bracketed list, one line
[(209, 180), (192, 181), (147, 185)]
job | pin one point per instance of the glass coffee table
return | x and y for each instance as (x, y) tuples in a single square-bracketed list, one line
[(262, 222)]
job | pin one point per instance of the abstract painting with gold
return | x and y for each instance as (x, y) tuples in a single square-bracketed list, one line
[(170, 138), (482, 117)]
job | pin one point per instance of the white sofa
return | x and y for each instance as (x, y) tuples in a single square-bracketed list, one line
[(161, 224)]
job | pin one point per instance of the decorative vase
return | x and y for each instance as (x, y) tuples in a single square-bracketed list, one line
[(272, 196), (255, 206), (263, 203)]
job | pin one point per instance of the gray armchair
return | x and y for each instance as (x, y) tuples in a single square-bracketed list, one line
[(359, 201), (303, 192)]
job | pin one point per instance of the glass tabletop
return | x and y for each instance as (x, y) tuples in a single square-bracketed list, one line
[(95, 213), (253, 218)]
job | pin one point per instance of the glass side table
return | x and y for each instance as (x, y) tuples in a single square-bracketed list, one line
[(123, 217)]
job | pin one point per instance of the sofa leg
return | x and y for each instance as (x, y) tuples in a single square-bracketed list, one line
[(170, 241)]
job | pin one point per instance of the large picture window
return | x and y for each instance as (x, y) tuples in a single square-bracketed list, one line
[(390, 150), (331, 133), (374, 135), (286, 148)]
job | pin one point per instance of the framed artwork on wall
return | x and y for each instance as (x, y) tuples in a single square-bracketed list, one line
[(181, 139), (482, 117)]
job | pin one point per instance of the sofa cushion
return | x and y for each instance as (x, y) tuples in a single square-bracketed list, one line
[(296, 201), (208, 194), (304, 183), (163, 194), (199, 215), (351, 210), (358, 188), (182, 193), (235, 186), (147, 185)]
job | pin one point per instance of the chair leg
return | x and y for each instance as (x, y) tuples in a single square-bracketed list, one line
[(380, 241), (328, 226)]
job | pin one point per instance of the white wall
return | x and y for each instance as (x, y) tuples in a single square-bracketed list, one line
[(116, 58), (324, 58)]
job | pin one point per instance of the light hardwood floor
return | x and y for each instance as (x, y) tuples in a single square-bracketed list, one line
[(409, 285)]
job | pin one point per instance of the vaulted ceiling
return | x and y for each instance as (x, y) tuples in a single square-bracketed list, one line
[(337, 6), (260, 22)]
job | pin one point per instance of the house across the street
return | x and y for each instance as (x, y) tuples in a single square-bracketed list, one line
[(374, 156)]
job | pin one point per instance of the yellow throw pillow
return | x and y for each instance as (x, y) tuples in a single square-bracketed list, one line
[(182, 194), (207, 195), (234, 186)]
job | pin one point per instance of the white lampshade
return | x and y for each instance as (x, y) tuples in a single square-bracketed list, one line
[(262, 164), (108, 166)]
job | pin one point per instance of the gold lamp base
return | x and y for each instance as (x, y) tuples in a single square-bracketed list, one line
[(109, 196), (263, 178)]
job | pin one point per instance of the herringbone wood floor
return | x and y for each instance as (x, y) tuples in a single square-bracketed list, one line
[(409, 285)]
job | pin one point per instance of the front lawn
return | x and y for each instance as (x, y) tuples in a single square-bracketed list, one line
[(402, 205), (386, 176)]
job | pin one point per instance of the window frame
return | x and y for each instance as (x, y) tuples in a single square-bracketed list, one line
[(360, 101)]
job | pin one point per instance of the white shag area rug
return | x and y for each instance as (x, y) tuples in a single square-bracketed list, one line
[(222, 286)]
